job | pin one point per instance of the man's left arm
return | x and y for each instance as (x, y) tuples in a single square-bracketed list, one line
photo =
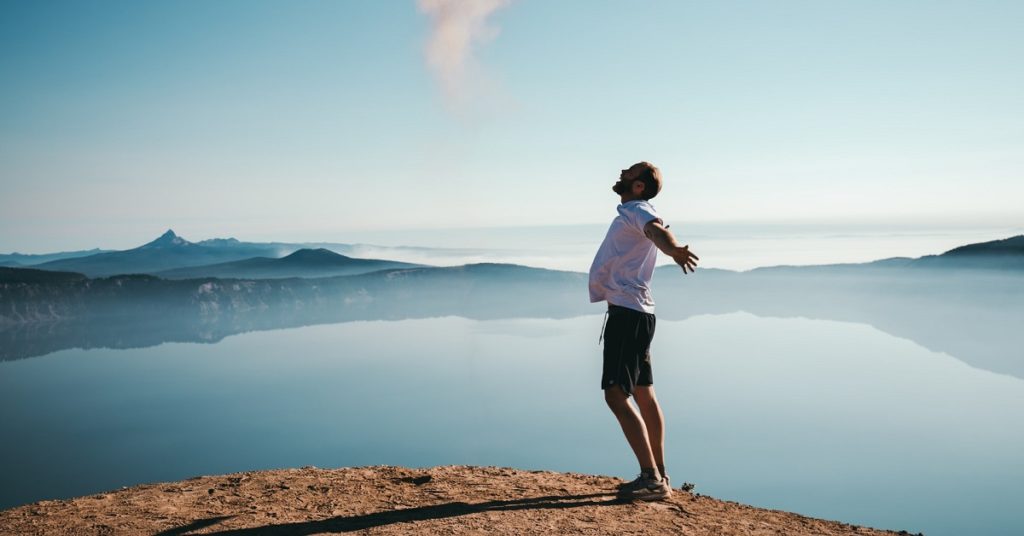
[(656, 231)]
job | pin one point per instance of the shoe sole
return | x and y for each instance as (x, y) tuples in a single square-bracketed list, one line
[(656, 497), (650, 496)]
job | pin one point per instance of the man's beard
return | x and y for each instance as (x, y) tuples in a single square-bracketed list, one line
[(619, 188)]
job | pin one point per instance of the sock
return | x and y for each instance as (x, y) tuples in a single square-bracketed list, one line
[(647, 471), (661, 469)]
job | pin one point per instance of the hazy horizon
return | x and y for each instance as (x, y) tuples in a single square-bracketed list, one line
[(728, 245)]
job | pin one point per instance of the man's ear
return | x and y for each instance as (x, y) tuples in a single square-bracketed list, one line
[(641, 188)]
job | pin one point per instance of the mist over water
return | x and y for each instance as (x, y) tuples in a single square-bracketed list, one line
[(728, 246)]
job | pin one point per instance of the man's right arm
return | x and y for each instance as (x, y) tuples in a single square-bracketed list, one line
[(666, 242)]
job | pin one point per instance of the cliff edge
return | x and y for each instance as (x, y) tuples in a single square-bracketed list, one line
[(397, 500)]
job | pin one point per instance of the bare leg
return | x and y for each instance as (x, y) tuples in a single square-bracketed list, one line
[(632, 426), (654, 421)]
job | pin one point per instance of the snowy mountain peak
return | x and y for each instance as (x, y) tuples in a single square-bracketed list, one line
[(168, 239), (219, 242)]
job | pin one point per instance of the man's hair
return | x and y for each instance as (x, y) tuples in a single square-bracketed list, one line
[(651, 176)]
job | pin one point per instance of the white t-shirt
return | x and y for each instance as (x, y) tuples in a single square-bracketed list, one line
[(622, 269)]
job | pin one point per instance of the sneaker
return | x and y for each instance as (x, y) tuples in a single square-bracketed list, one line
[(645, 488), (635, 483), (632, 484)]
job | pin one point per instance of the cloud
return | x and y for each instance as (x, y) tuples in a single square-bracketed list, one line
[(458, 27)]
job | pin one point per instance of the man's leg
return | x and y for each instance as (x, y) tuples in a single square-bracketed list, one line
[(632, 426), (654, 421)]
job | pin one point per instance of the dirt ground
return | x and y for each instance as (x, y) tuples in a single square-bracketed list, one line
[(397, 500)]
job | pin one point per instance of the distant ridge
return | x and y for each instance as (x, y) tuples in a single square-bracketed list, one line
[(306, 262), (30, 259), (1003, 254), (1007, 246), (315, 255), (168, 251), (219, 242)]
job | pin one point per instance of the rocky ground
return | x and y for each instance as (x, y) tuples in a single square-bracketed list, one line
[(397, 500)]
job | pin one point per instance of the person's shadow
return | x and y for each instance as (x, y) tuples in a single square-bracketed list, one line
[(387, 517)]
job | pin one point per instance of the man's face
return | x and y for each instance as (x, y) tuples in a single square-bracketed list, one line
[(626, 179)]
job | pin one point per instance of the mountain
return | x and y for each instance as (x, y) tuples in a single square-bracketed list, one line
[(302, 263), (1013, 246), (1006, 254), (28, 259), (166, 240), (170, 252), (221, 242), (166, 252)]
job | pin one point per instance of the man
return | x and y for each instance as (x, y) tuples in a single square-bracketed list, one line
[(620, 275)]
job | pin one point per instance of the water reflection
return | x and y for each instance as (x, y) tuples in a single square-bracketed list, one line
[(972, 315), (830, 419)]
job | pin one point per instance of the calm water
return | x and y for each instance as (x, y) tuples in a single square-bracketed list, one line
[(829, 419)]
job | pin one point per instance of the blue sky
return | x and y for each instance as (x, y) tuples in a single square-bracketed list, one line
[(322, 120)]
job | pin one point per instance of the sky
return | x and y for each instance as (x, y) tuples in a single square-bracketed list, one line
[(335, 120)]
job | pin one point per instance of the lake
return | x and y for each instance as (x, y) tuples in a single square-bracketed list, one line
[(830, 419)]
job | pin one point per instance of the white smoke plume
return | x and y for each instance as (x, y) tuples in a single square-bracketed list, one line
[(458, 26)]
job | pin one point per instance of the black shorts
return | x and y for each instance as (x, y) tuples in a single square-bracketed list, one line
[(627, 348)]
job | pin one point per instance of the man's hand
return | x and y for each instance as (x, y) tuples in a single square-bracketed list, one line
[(685, 258), (666, 242)]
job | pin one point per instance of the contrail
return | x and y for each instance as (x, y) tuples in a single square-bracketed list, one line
[(459, 25)]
